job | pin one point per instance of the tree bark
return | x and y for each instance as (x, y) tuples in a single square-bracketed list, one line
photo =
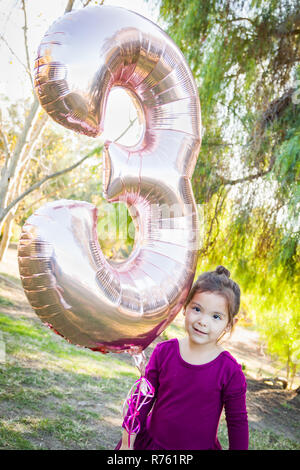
[(13, 173), (6, 234), (8, 171)]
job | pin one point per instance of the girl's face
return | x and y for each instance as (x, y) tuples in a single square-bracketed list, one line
[(206, 317)]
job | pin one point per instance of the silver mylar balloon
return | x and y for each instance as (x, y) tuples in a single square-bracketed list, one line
[(91, 301)]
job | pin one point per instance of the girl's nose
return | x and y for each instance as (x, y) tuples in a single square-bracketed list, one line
[(202, 320)]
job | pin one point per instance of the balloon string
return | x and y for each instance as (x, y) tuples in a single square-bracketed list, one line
[(141, 387)]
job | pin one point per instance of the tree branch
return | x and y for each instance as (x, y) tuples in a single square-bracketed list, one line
[(20, 146), (89, 1), (5, 145), (23, 138), (240, 18), (244, 178), (259, 174), (35, 135), (69, 6), (277, 107), (285, 28), (37, 185), (14, 54), (126, 130), (232, 110), (218, 207), (44, 196), (25, 28), (223, 144)]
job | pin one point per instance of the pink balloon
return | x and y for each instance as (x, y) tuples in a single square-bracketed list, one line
[(91, 301)]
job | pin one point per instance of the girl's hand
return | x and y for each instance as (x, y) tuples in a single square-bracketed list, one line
[(124, 445)]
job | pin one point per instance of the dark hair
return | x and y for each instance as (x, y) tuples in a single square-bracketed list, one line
[(218, 281)]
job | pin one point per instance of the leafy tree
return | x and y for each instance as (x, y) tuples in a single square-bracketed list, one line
[(52, 155), (37, 156), (18, 139), (244, 55)]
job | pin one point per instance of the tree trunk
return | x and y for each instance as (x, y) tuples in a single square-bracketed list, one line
[(9, 170), (16, 163), (14, 185), (6, 235), (294, 367), (288, 365)]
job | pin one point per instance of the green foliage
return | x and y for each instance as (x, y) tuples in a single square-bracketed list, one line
[(264, 261), (287, 163), (115, 230), (55, 151), (244, 57)]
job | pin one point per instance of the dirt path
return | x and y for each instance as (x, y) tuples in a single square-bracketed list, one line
[(270, 407)]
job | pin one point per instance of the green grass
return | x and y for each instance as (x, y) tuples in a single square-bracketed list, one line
[(5, 302), (11, 438), (55, 395), (259, 440)]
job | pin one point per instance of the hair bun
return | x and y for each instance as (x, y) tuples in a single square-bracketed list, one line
[(222, 270)]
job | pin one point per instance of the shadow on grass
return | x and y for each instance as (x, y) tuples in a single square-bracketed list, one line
[(56, 395)]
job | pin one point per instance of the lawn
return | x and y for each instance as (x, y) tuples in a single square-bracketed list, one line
[(55, 395)]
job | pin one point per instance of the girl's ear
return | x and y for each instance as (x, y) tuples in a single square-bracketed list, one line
[(229, 327)]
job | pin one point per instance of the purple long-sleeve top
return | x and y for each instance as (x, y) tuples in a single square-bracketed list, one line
[(188, 402)]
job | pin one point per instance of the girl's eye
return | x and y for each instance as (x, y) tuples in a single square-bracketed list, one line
[(217, 316), (197, 309)]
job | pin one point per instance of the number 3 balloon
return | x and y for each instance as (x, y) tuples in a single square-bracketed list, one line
[(91, 301)]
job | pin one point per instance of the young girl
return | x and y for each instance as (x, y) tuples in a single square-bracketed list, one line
[(195, 377)]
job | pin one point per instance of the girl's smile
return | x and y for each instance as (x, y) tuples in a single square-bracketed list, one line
[(199, 331)]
